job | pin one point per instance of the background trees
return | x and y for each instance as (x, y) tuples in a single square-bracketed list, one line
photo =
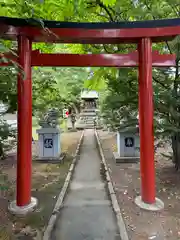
[(121, 96), (62, 86), (57, 87)]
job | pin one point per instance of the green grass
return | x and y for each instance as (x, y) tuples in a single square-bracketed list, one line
[(35, 126), (47, 197), (34, 121), (63, 124), (34, 134)]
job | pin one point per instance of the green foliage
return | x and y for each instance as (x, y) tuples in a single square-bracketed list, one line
[(8, 84), (6, 132), (8, 96), (120, 104), (70, 81), (96, 79), (57, 87), (45, 94)]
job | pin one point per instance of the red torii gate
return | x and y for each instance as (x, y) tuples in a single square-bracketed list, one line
[(90, 60), (141, 33)]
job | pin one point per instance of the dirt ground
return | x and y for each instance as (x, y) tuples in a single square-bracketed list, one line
[(47, 182), (141, 224)]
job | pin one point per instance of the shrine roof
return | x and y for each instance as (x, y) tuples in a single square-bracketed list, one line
[(80, 32), (86, 94)]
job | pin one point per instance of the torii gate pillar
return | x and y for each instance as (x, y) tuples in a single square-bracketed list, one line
[(147, 200), (24, 203)]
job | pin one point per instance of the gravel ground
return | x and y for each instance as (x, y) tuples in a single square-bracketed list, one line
[(141, 224), (47, 180)]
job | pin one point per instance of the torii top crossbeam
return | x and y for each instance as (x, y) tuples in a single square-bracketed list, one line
[(68, 32)]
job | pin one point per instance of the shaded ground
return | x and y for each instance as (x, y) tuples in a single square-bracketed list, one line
[(142, 224), (87, 212), (47, 182)]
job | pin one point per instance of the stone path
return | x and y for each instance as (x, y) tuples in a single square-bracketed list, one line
[(87, 213)]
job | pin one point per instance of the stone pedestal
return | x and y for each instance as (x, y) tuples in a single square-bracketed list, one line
[(49, 143), (127, 147), (20, 211)]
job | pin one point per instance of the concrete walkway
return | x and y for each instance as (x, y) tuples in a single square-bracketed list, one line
[(87, 213)]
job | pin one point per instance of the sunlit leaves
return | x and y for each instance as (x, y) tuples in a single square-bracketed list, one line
[(109, 2)]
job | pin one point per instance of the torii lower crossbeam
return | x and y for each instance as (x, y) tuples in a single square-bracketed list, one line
[(92, 60)]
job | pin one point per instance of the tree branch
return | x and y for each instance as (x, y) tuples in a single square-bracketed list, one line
[(106, 50), (174, 10), (162, 84), (106, 10), (101, 15)]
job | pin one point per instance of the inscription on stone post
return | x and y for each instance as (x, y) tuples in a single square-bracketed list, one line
[(129, 142), (48, 143)]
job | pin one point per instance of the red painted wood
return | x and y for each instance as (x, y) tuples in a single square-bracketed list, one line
[(89, 36), (96, 60), (24, 151), (146, 122)]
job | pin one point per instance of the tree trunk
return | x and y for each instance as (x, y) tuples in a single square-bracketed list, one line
[(2, 155), (76, 108), (176, 150), (73, 125)]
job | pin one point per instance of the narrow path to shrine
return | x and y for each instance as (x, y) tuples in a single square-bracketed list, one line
[(87, 212)]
